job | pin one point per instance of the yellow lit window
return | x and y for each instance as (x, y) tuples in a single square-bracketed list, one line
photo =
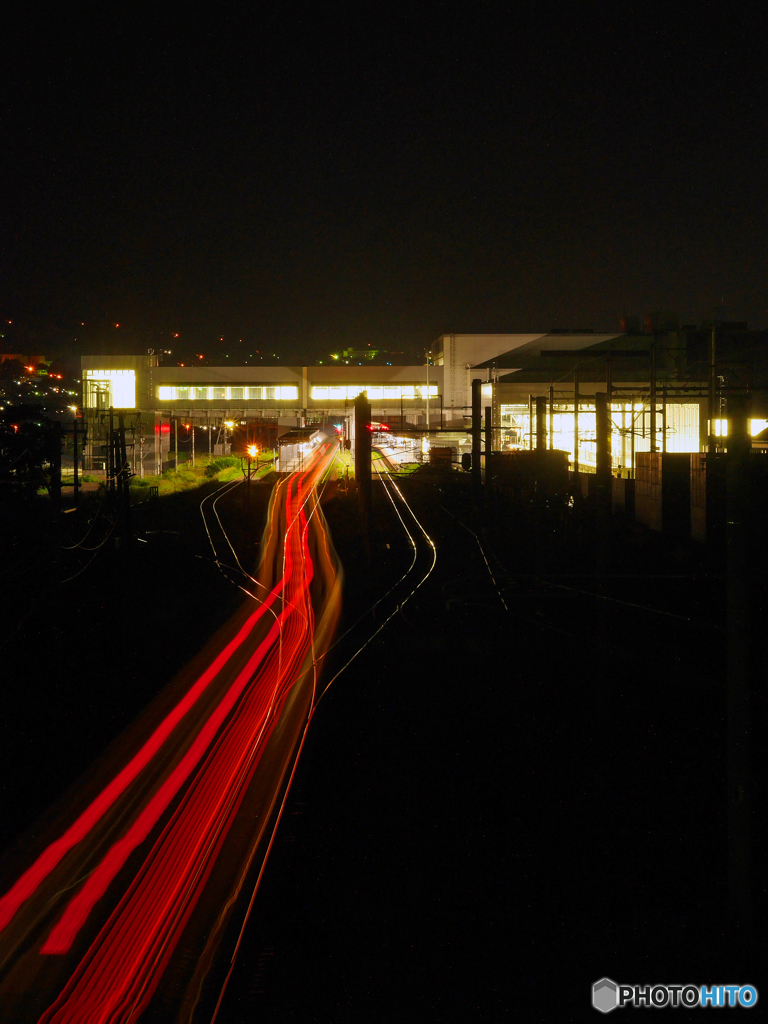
[(121, 386)]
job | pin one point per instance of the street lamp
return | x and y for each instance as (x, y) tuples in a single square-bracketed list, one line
[(429, 356), (189, 427), (75, 479), (230, 425)]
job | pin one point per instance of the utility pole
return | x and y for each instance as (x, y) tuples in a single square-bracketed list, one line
[(740, 542), (603, 437), (632, 434), (712, 410), (363, 455), (530, 422), (541, 423), (124, 475), (428, 355), (576, 422), (55, 463), (476, 398), (74, 454), (193, 444), (551, 416), (111, 451), (176, 444), (654, 446)]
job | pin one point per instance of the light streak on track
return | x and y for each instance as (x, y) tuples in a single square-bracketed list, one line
[(405, 582), (89, 929)]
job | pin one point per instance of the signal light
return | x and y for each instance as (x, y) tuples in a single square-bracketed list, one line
[(253, 451)]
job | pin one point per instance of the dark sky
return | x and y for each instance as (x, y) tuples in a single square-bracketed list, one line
[(304, 177)]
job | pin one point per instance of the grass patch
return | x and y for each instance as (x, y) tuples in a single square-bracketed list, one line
[(224, 468)]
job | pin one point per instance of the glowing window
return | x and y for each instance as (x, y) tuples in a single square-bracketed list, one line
[(165, 393), (182, 393), (219, 394), (236, 394), (270, 392), (408, 391), (120, 385), (255, 392), (375, 392), (318, 392), (289, 391), (391, 392), (198, 393), (337, 392)]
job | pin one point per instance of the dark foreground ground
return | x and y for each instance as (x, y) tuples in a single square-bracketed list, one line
[(495, 806)]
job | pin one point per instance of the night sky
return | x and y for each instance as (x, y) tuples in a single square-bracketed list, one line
[(304, 177)]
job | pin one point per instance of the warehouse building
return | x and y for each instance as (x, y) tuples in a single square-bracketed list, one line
[(657, 384)]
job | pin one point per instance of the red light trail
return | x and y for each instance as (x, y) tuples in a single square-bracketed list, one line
[(110, 898)]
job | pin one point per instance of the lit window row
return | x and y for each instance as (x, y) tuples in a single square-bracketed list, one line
[(221, 393), (334, 392), (755, 427)]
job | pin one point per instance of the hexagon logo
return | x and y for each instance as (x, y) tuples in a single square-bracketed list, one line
[(605, 995)]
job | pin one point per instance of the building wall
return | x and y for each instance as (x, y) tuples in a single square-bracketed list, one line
[(678, 431), (457, 354), (407, 381)]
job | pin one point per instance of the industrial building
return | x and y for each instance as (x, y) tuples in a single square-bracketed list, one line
[(657, 383)]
